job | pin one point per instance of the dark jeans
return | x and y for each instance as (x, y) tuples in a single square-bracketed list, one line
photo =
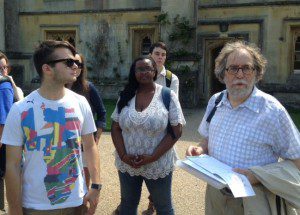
[(80, 210), (2, 171), (160, 191), (1, 194)]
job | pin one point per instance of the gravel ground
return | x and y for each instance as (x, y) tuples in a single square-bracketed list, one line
[(188, 191)]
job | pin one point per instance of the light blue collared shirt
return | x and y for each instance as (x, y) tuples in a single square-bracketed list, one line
[(255, 133)]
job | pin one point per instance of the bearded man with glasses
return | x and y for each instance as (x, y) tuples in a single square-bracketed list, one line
[(249, 131), (51, 123)]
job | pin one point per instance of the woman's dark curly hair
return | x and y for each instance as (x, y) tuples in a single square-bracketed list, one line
[(81, 85), (132, 85)]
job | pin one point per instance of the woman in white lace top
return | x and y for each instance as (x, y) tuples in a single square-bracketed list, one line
[(144, 148)]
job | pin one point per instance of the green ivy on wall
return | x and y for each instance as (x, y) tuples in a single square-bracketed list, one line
[(182, 31)]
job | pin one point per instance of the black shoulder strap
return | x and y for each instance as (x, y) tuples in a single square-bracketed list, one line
[(278, 204), (168, 78), (166, 96), (212, 112)]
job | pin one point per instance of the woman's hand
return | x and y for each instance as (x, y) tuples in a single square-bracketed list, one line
[(136, 161), (142, 160), (129, 159)]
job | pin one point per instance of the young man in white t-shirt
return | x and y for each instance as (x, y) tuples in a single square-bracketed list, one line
[(158, 51), (50, 124)]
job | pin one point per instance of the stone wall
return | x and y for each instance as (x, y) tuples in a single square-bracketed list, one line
[(105, 34), (101, 37), (11, 25), (175, 8), (270, 26), (2, 26)]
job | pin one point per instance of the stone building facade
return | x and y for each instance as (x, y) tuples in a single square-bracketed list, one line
[(111, 33), (2, 36)]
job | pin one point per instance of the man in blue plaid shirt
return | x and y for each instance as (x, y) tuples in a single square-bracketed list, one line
[(249, 128)]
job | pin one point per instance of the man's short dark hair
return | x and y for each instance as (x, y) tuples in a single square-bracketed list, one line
[(44, 53), (158, 45)]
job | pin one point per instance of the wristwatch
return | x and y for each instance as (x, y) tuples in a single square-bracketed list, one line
[(96, 186)]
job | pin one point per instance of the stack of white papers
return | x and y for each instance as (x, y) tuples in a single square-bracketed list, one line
[(217, 174)]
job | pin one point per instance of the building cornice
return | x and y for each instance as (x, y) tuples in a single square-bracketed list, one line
[(230, 21), (253, 4), (126, 10), (292, 19), (18, 55), (247, 20)]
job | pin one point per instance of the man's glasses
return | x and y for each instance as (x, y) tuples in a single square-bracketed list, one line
[(69, 62), (246, 69), (144, 69)]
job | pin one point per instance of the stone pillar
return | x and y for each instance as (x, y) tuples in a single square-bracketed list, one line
[(186, 8), (2, 26), (11, 25)]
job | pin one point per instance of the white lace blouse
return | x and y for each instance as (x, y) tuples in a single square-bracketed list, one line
[(143, 131)]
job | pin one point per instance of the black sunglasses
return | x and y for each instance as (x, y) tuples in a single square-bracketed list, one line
[(69, 62), (80, 65)]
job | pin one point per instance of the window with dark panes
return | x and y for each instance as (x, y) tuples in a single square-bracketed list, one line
[(297, 55), (69, 36), (146, 44)]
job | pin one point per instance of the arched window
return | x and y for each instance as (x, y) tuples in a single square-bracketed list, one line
[(142, 38), (146, 44), (62, 35)]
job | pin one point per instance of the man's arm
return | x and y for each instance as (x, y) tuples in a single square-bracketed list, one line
[(251, 177), (175, 85), (98, 106), (118, 141), (18, 93), (93, 163), (13, 179), (202, 148)]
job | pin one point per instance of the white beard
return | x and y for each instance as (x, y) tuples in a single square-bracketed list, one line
[(238, 93)]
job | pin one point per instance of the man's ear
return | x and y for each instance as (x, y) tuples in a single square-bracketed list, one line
[(47, 69)]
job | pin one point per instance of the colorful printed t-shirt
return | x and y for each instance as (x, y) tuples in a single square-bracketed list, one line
[(51, 134)]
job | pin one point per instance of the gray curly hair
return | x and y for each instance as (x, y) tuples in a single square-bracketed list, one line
[(260, 62)]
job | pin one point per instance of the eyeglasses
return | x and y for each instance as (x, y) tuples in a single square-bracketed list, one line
[(246, 69), (143, 69), (69, 62), (4, 68)]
